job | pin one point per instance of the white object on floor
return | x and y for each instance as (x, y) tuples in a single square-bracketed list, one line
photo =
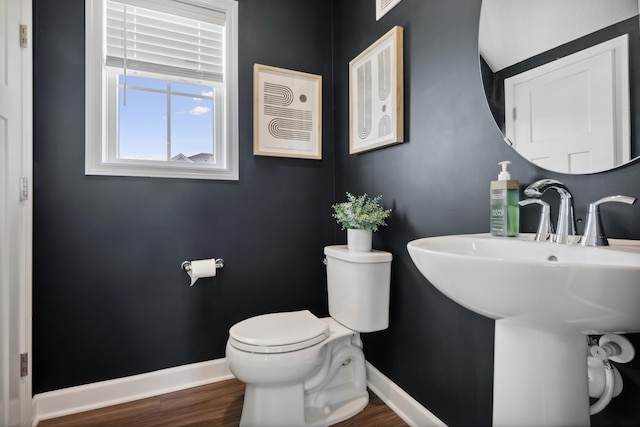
[(304, 371)]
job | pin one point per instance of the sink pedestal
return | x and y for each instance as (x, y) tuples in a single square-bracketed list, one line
[(540, 373)]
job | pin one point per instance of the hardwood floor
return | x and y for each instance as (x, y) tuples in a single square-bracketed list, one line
[(217, 404)]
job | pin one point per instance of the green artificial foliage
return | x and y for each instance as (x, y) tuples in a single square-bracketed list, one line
[(360, 213)]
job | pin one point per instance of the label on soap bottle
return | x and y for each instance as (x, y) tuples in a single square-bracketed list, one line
[(498, 212)]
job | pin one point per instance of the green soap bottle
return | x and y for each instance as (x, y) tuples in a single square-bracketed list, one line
[(505, 210)]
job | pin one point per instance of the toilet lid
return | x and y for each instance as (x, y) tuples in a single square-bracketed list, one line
[(278, 332)]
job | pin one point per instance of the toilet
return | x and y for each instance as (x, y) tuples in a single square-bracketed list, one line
[(301, 370)]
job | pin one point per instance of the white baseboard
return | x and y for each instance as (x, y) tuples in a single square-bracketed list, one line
[(82, 398), (407, 408)]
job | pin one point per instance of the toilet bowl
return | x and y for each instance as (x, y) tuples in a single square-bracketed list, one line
[(301, 370)]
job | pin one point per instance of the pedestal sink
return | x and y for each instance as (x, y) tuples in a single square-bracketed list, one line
[(544, 297), (594, 289)]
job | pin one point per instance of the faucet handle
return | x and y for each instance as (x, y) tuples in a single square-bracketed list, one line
[(545, 229), (593, 231)]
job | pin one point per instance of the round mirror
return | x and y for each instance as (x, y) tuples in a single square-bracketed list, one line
[(562, 79)]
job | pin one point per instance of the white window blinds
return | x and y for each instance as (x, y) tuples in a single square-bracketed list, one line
[(189, 45)]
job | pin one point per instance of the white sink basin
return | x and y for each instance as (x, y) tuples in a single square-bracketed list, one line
[(595, 289)]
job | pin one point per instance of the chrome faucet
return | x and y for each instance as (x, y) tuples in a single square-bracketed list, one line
[(545, 229), (566, 225)]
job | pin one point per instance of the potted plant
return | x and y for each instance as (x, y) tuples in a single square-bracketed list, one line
[(360, 216)]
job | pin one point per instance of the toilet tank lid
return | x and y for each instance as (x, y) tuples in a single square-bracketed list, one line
[(343, 253), (277, 329)]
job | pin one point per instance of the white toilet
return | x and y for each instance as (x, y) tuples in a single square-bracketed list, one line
[(301, 370)]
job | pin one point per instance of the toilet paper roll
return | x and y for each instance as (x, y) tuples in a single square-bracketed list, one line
[(202, 268)]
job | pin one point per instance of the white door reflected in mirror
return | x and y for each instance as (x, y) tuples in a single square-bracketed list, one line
[(572, 115), (518, 36)]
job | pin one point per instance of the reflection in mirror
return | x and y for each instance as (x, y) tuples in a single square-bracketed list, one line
[(562, 79)]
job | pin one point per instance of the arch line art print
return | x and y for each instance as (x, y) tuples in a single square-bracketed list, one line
[(287, 113), (376, 116)]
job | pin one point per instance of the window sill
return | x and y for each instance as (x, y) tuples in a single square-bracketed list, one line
[(159, 171)]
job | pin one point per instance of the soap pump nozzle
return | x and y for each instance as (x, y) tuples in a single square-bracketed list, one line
[(504, 175)]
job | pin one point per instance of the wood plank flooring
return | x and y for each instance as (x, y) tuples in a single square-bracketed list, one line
[(217, 404)]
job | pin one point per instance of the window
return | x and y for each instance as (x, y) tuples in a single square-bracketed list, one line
[(161, 88)]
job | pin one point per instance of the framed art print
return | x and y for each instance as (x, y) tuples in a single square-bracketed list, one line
[(384, 6), (287, 113), (376, 94)]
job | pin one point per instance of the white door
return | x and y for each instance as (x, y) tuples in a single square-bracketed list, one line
[(572, 115), (15, 212)]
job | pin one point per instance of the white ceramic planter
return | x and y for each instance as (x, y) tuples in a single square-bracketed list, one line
[(359, 240)]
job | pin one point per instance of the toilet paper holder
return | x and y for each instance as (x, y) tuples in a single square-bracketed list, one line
[(186, 265)]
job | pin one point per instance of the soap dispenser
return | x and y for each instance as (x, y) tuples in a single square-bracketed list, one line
[(505, 210)]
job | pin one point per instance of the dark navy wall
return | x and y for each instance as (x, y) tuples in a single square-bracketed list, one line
[(438, 183), (109, 297)]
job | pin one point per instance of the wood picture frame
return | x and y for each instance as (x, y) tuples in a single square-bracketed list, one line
[(376, 116), (287, 113), (384, 6)]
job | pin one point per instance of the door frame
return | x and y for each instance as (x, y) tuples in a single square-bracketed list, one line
[(18, 279)]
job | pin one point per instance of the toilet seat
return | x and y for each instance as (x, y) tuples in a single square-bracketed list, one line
[(278, 332)]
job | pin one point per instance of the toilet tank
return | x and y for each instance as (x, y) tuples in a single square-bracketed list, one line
[(358, 288)]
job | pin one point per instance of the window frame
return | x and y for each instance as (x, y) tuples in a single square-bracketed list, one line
[(101, 113)]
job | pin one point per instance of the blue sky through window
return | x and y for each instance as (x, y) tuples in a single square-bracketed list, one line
[(145, 121)]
